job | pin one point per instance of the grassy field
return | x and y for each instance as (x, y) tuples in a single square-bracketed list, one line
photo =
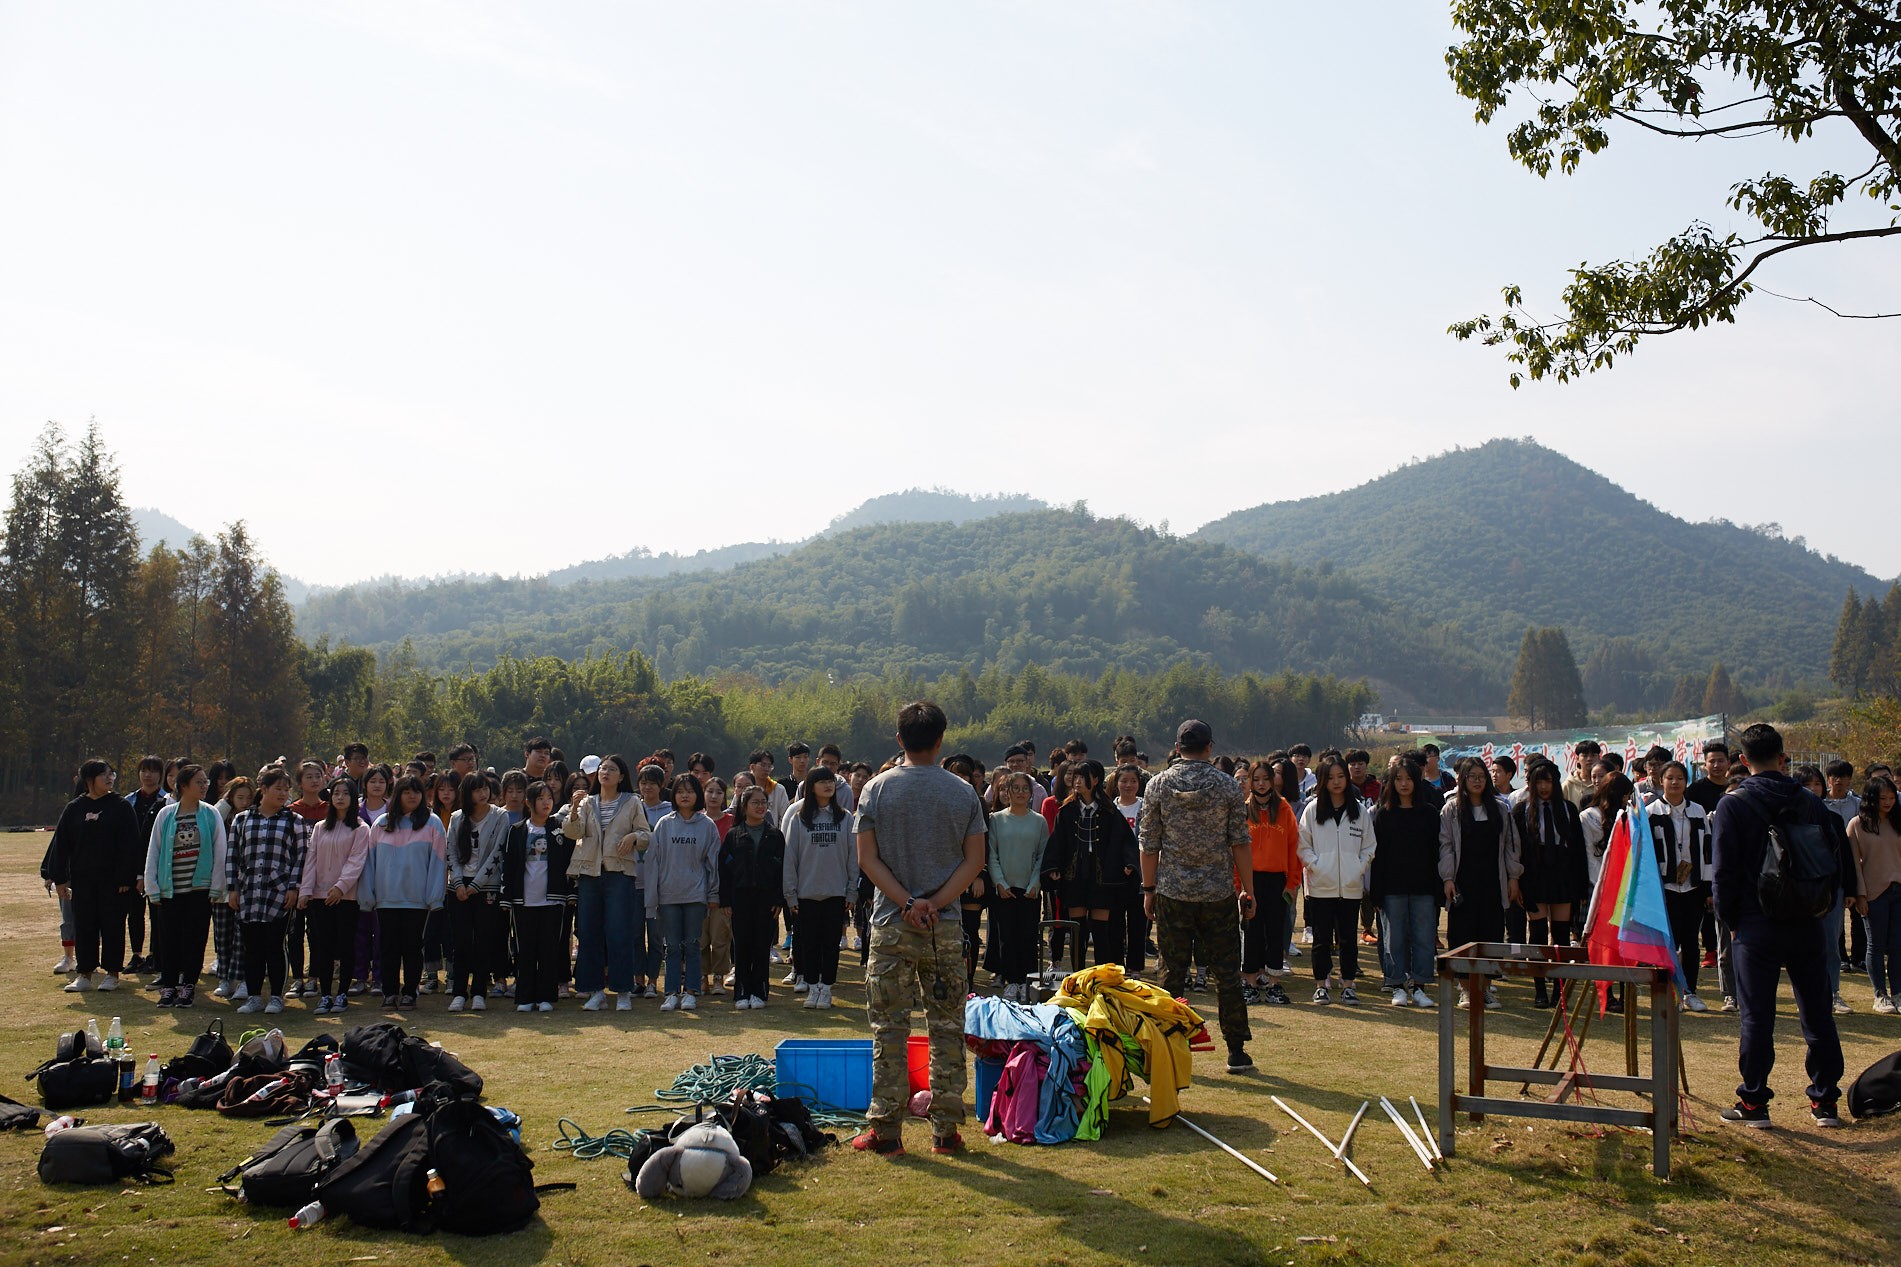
[(1518, 1191)]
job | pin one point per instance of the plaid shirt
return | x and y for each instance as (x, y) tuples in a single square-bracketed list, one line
[(264, 861)]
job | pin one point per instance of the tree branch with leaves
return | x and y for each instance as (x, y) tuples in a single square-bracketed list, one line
[(1585, 66)]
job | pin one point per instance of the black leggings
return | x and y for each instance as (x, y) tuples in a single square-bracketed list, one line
[(1686, 922), (469, 938), (264, 955), (399, 933), (821, 920), (1013, 926), (180, 925), (332, 940), (1264, 947), (753, 927), (1336, 921)]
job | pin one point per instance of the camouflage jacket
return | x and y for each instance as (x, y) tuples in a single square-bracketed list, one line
[(1193, 818)]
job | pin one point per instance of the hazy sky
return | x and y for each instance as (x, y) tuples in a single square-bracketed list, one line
[(417, 287)]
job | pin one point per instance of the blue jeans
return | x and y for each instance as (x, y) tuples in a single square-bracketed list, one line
[(1409, 943), (607, 913), (680, 926), (1884, 939)]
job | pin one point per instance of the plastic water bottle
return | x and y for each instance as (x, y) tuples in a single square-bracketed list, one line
[(309, 1216), (148, 1095), (333, 1072), (400, 1097), (92, 1034), (64, 1122)]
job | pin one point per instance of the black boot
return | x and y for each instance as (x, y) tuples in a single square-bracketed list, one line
[(1540, 998)]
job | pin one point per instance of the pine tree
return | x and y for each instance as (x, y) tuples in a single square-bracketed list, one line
[(1720, 694), (1845, 655), (1687, 698), (1564, 690)]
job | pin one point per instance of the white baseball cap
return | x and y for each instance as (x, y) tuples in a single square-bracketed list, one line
[(590, 763)]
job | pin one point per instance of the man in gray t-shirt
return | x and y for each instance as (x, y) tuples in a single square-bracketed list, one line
[(921, 835)]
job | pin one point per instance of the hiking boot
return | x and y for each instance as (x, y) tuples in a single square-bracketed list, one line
[(1823, 1114), (1238, 1059), (1756, 1115), (947, 1144), (869, 1141)]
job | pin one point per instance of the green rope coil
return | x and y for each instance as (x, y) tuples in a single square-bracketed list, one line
[(585, 1147), (723, 1077)]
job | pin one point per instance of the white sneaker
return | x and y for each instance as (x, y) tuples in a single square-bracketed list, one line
[(544, 1007), (479, 1003), (757, 1002), (776, 956), (689, 1003), (1491, 998), (789, 978), (1306, 936), (1691, 1003), (1401, 998), (1293, 952), (800, 985), (1729, 1003), (1841, 1004), (826, 1000), (240, 994), (623, 1002), (670, 1004), (595, 1001), (742, 1005), (812, 997), (1885, 1005), (1465, 1000), (294, 990), (224, 990), (65, 967), (111, 982), (524, 1007), (458, 1003), (1421, 998), (275, 1006), (78, 985), (251, 1006)]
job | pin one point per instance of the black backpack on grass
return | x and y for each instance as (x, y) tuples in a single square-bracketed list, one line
[(15, 1116), (77, 1075), (382, 1055), (286, 1170), (1878, 1091), (385, 1183), (106, 1154), (208, 1056), (488, 1179)]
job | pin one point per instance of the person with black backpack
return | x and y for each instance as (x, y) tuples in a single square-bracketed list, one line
[(1779, 865)]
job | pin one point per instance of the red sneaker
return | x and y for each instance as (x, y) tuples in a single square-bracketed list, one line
[(869, 1141), (951, 1143)]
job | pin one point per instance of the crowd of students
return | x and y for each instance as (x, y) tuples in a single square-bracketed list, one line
[(328, 880)]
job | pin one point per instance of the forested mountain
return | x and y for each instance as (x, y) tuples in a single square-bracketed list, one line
[(1054, 588), (931, 506), (156, 528), (1511, 534)]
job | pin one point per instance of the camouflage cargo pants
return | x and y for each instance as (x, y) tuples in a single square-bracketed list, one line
[(1208, 933), (905, 963)]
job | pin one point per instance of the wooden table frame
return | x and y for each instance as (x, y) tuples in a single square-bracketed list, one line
[(1472, 964)]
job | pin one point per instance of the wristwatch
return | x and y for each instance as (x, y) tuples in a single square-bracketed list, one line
[(1148, 888), (909, 902)]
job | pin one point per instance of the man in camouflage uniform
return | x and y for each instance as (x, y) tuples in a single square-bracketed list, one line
[(921, 836), (1194, 838)]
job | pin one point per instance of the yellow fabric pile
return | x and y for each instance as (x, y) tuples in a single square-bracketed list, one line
[(1138, 1029)]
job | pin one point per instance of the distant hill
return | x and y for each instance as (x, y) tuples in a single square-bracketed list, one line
[(1510, 534), (1054, 588), (916, 505), (156, 527)]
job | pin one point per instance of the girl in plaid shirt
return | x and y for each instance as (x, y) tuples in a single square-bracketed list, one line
[(264, 864)]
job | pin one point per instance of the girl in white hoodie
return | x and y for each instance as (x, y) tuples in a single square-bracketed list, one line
[(1336, 848)]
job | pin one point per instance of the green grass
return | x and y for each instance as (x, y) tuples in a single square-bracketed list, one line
[(1517, 1191)]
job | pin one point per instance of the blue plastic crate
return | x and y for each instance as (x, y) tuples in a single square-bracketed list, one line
[(989, 1073), (834, 1071)]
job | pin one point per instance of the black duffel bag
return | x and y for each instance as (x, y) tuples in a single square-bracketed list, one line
[(77, 1075)]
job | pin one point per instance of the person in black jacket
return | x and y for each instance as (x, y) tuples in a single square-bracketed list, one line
[(1091, 858), (96, 859), (1762, 947), (751, 880), (1405, 878), (1557, 878), (536, 890)]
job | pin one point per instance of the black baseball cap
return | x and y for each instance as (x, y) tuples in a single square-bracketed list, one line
[(1194, 735)]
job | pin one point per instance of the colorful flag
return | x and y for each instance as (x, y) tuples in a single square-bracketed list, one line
[(1628, 923)]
